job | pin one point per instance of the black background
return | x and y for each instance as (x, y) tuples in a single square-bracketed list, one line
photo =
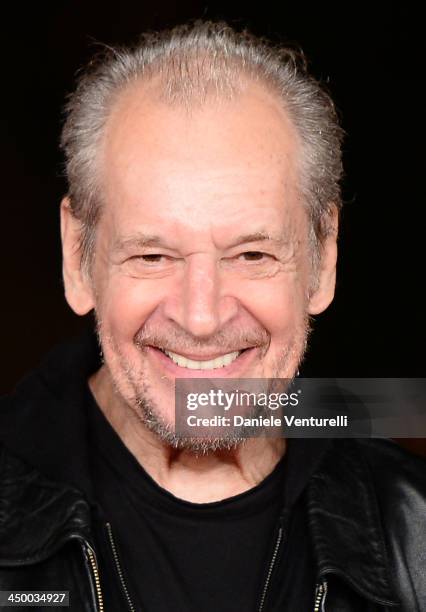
[(369, 56)]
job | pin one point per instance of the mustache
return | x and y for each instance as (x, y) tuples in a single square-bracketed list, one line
[(178, 339)]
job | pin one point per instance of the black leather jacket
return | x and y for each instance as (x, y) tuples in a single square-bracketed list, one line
[(367, 518), (366, 504)]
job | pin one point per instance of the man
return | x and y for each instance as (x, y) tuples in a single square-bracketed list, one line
[(200, 226)]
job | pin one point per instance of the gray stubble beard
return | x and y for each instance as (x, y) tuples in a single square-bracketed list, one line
[(143, 407)]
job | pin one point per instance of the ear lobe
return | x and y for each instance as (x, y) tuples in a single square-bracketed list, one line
[(78, 291), (323, 295)]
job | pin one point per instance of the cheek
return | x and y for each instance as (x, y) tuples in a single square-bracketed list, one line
[(124, 307), (279, 306)]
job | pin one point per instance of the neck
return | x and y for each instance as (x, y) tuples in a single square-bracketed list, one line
[(193, 477)]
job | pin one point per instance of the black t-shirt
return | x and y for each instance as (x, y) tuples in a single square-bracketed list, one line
[(181, 556)]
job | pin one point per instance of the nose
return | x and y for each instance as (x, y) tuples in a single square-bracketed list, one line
[(201, 304)]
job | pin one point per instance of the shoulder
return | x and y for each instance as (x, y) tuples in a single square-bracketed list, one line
[(396, 477), (399, 481), (367, 515), (36, 513), (397, 473)]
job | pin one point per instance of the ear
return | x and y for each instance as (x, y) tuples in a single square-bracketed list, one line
[(78, 290), (325, 286)]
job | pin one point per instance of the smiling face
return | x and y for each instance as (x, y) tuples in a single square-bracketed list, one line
[(202, 261)]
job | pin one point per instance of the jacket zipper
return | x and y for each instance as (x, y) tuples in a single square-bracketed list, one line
[(271, 566), (320, 595), (95, 575), (119, 569)]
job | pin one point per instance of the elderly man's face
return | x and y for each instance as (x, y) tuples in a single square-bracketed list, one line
[(202, 261)]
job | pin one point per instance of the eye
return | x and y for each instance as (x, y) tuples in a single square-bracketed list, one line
[(148, 258), (152, 257), (253, 255)]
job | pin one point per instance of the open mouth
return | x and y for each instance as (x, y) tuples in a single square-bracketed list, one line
[(212, 364)]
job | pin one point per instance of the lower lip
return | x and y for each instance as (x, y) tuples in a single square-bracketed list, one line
[(233, 370)]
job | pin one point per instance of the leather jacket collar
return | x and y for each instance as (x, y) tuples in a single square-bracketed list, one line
[(345, 524), (38, 515)]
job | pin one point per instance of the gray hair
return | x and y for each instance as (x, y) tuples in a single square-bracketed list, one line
[(191, 62)]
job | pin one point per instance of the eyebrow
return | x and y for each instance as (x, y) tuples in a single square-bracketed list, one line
[(141, 240), (259, 237), (137, 240)]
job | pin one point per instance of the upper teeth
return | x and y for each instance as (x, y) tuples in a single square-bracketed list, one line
[(219, 362)]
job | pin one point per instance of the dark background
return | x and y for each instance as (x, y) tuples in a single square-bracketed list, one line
[(370, 57)]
